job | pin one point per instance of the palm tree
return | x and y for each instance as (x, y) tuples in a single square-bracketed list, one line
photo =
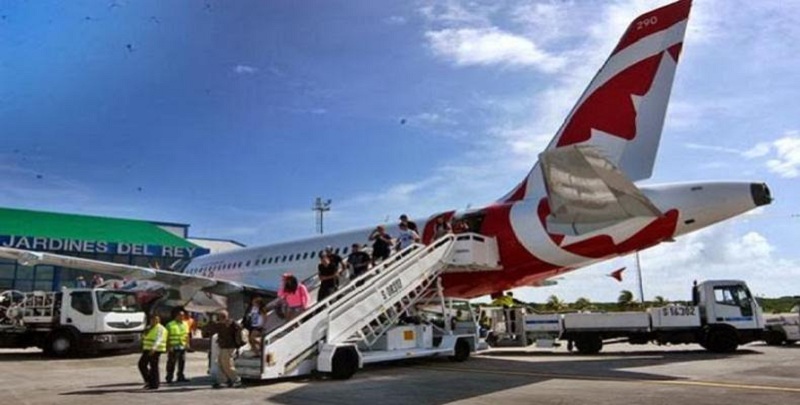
[(625, 299), (554, 303), (660, 301), (581, 304)]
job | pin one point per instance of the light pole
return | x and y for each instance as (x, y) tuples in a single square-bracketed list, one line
[(639, 275), (321, 207)]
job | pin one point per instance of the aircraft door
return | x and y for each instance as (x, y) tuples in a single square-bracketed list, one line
[(469, 222)]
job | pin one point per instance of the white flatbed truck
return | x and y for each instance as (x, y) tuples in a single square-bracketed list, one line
[(723, 315), (71, 321)]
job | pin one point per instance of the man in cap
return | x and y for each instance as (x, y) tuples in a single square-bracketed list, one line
[(409, 224), (406, 237)]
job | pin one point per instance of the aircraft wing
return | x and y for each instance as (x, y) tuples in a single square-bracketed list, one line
[(187, 284), (584, 188)]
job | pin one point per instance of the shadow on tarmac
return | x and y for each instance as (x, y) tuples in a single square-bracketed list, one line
[(441, 381), (39, 356), (136, 388)]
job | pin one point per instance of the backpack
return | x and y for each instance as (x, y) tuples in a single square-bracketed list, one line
[(237, 335), (247, 321)]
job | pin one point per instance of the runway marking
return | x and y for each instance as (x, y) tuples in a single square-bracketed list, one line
[(713, 384)]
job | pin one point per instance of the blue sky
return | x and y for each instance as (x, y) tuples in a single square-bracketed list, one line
[(234, 116)]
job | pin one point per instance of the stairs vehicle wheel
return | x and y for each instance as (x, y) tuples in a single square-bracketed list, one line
[(461, 351), (344, 363), (774, 338)]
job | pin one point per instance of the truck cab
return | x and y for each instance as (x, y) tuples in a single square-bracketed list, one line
[(100, 310), (729, 313), (100, 319)]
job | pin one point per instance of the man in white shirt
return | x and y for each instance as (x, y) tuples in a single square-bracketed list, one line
[(406, 237)]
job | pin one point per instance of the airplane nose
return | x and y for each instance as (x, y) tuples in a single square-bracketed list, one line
[(760, 193)]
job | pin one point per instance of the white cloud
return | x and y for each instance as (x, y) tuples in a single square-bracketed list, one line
[(490, 46), (454, 12), (713, 148), (759, 150), (395, 20), (786, 163), (432, 119), (244, 70)]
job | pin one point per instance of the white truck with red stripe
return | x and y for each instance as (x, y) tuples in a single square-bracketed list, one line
[(723, 315)]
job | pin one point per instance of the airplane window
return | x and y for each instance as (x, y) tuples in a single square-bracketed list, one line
[(247, 264), (284, 258), (297, 256), (305, 255), (344, 251), (269, 261), (336, 251)]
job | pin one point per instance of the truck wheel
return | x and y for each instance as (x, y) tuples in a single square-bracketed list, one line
[(589, 344), (344, 363), (462, 351), (774, 338), (61, 343), (722, 341)]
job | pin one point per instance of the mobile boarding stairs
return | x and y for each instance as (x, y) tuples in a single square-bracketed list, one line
[(358, 324)]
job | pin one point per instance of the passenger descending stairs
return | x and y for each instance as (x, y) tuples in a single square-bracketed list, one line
[(355, 313)]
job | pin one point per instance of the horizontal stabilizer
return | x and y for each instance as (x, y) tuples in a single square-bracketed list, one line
[(585, 190)]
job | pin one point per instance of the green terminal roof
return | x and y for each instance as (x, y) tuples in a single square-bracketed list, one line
[(18, 222)]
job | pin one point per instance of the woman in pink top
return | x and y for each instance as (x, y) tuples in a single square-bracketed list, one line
[(294, 295)]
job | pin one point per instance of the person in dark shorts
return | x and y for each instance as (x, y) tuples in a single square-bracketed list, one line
[(328, 275), (336, 260), (358, 261), (381, 244)]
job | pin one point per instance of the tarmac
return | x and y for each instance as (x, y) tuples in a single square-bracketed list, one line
[(621, 374)]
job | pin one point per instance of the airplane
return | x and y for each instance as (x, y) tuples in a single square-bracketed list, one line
[(578, 205)]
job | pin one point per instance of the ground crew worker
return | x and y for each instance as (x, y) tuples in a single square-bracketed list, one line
[(177, 343), (154, 342), (507, 302)]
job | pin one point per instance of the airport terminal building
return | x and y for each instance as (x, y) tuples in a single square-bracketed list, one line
[(128, 241)]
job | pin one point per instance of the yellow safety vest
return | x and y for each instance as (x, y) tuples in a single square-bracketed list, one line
[(504, 301), (178, 334), (150, 337)]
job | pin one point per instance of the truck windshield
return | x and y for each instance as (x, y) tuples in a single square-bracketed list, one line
[(117, 301), (734, 295)]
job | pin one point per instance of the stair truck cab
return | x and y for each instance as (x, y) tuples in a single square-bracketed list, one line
[(71, 321), (723, 315), (783, 329)]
